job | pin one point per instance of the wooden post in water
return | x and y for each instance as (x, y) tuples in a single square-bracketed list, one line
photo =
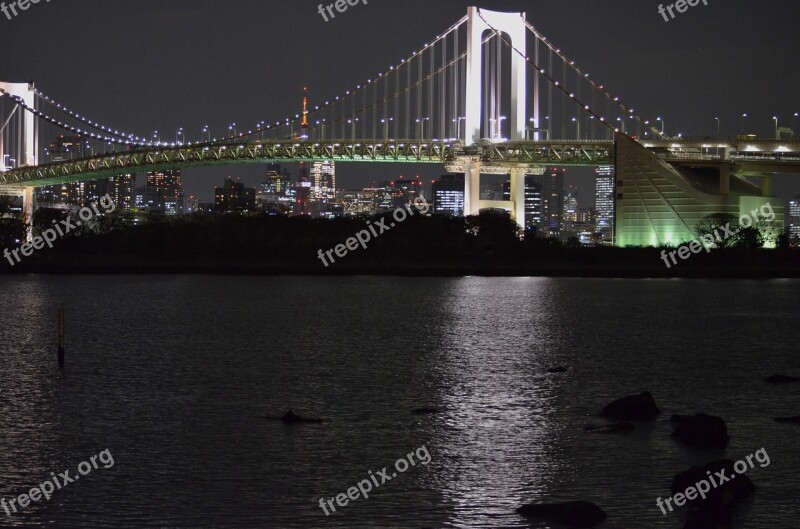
[(60, 337)]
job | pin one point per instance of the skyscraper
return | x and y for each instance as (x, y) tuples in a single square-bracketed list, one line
[(448, 195), (278, 180), (323, 178), (544, 201), (405, 191), (163, 193), (167, 181), (234, 197), (605, 202), (570, 213), (71, 194), (122, 190)]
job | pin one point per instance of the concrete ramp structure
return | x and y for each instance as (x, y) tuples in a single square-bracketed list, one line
[(661, 204)]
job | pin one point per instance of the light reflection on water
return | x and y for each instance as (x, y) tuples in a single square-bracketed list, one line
[(175, 375)]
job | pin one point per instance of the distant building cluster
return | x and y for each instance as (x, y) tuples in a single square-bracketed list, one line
[(551, 209)]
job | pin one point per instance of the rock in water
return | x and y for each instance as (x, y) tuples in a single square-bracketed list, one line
[(291, 418), (781, 379), (424, 411), (795, 419), (571, 513), (702, 431), (558, 369), (641, 407), (716, 509)]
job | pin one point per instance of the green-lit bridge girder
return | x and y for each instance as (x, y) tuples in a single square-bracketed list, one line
[(405, 151)]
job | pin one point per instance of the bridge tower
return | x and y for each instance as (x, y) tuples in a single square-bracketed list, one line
[(24, 150), (27, 147), (513, 28)]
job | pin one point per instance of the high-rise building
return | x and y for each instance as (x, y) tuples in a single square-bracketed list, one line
[(323, 178), (544, 201), (94, 190), (71, 194), (570, 213), (533, 205), (278, 180), (448, 195), (794, 220), (168, 181), (302, 198), (122, 189), (163, 193), (404, 191), (605, 202), (234, 197), (379, 198)]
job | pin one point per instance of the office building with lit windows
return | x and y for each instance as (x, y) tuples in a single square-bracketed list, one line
[(605, 201), (323, 178), (234, 197), (448, 195), (163, 193), (544, 201)]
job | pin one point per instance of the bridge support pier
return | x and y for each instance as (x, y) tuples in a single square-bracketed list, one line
[(472, 187), (517, 187), (766, 184), (725, 179)]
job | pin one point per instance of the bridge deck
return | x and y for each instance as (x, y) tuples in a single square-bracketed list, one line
[(586, 153), (751, 155)]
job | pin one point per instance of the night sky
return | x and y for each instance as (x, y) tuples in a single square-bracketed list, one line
[(143, 65)]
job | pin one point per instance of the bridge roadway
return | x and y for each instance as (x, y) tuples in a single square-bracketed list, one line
[(755, 155)]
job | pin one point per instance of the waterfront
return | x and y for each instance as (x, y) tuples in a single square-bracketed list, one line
[(175, 375)]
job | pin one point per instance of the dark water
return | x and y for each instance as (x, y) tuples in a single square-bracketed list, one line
[(175, 376)]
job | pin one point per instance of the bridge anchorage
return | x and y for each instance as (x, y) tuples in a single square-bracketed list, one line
[(489, 95)]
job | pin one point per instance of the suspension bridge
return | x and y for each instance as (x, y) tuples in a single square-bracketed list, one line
[(489, 95)]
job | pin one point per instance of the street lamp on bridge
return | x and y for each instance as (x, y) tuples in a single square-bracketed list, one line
[(744, 116), (718, 134), (458, 121), (353, 127), (662, 126), (777, 132), (577, 128), (385, 122), (421, 123), (321, 125)]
